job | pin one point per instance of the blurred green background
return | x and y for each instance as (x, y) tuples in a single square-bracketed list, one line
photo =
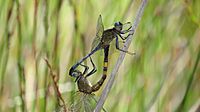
[(164, 76)]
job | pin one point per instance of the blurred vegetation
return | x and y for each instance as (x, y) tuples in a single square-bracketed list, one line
[(164, 76)]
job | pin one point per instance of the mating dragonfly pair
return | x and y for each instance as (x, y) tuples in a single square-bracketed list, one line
[(101, 41)]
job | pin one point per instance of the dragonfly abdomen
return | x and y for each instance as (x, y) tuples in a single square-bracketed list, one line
[(97, 86), (105, 68)]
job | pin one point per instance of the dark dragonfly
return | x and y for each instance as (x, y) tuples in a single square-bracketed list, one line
[(86, 101), (104, 38)]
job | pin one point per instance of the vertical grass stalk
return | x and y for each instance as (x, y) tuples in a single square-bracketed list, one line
[(20, 64)]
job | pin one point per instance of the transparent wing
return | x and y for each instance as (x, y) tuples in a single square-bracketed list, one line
[(60, 109), (76, 105), (99, 33), (89, 103), (100, 28), (83, 103), (95, 43)]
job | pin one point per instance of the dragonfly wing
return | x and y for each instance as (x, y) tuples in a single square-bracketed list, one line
[(92, 100), (100, 28), (83, 103), (95, 42), (99, 33), (76, 105), (89, 103)]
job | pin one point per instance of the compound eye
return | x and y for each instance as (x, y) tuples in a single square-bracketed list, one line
[(117, 23), (75, 74)]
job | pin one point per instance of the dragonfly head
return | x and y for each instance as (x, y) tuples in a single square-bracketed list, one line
[(118, 26), (73, 72), (77, 74)]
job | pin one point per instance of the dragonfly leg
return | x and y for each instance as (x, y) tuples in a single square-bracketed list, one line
[(126, 31), (122, 37), (86, 68), (93, 70), (117, 47), (128, 35)]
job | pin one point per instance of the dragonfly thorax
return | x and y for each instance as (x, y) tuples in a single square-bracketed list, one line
[(84, 85)]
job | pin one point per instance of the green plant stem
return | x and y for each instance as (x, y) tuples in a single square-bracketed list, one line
[(7, 42), (46, 27), (55, 55), (34, 53), (20, 65), (182, 105)]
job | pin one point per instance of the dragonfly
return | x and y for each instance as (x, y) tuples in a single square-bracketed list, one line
[(87, 100), (103, 39)]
